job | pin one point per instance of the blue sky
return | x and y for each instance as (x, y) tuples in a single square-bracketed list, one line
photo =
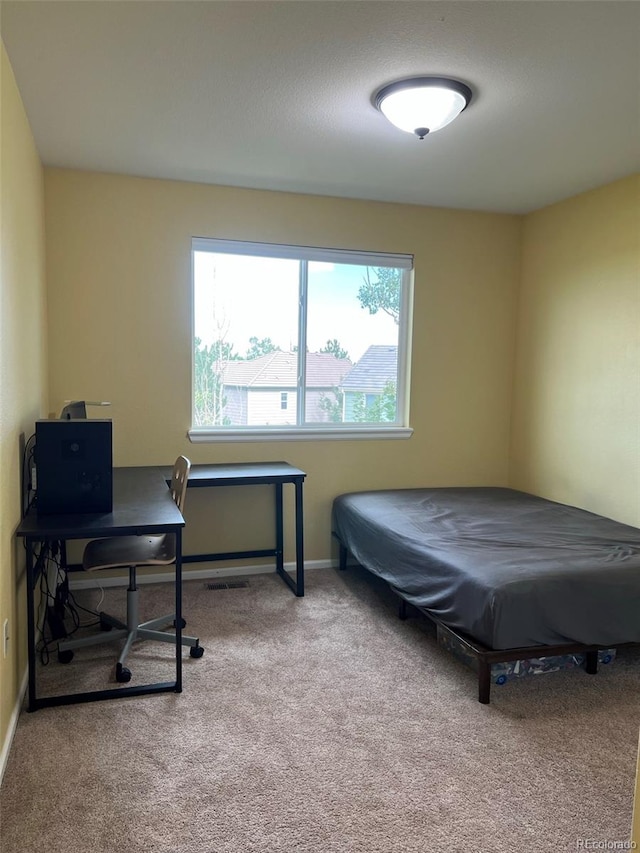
[(237, 297)]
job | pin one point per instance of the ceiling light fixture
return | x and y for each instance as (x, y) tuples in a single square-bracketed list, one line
[(422, 105)]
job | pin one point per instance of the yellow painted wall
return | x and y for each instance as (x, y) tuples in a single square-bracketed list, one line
[(576, 402), (22, 359), (576, 416), (118, 268)]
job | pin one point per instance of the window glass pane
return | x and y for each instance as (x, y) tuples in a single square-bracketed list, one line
[(245, 339), (298, 337), (352, 343)]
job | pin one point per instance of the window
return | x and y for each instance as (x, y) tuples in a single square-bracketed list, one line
[(297, 340)]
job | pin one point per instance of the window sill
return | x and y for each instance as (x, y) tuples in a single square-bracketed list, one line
[(203, 435)]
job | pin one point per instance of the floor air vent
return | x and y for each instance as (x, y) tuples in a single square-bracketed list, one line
[(230, 585)]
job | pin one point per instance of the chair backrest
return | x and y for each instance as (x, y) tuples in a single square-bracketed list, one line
[(179, 478)]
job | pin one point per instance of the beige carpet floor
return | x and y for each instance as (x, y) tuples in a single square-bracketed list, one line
[(321, 724)]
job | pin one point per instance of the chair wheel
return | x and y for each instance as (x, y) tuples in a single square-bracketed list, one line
[(196, 651), (66, 656), (123, 674), (183, 624)]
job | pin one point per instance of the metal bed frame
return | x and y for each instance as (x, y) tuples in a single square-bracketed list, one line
[(484, 655)]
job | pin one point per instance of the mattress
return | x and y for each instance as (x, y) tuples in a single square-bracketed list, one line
[(507, 568)]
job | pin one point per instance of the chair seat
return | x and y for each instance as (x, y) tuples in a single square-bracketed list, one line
[(124, 551)]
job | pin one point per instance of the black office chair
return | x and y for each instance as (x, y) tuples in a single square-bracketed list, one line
[(130, 552)]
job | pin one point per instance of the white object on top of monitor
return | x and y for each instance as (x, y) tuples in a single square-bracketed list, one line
[(75, 409)]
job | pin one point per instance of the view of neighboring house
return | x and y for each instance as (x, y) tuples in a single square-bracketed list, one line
[(264, 390), (374, 375)]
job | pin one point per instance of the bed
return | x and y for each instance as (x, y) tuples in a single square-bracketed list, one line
[(508, 574)]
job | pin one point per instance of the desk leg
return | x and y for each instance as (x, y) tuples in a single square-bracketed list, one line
[(299, 542), (178, 611), (279, 530), (31, 628), (296, 586)]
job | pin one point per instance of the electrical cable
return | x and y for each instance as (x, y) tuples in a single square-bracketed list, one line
[(61, 600), (46, 600), (74, 606)]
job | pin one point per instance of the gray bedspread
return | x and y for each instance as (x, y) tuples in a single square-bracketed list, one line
[(507, 568)]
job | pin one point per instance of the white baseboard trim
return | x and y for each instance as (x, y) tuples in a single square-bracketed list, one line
[(80, 580), (13, 722)]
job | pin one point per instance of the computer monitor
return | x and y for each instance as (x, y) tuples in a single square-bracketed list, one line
[(74, 466)]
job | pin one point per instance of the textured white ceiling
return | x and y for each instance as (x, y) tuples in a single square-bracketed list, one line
[(277, 95)]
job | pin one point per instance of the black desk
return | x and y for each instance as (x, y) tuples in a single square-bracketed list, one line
[(257, 474), (142, 503)]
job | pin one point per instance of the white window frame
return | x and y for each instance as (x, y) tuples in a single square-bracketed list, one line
[(398, 429)]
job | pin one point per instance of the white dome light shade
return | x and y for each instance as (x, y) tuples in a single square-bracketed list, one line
[(423, 105)]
